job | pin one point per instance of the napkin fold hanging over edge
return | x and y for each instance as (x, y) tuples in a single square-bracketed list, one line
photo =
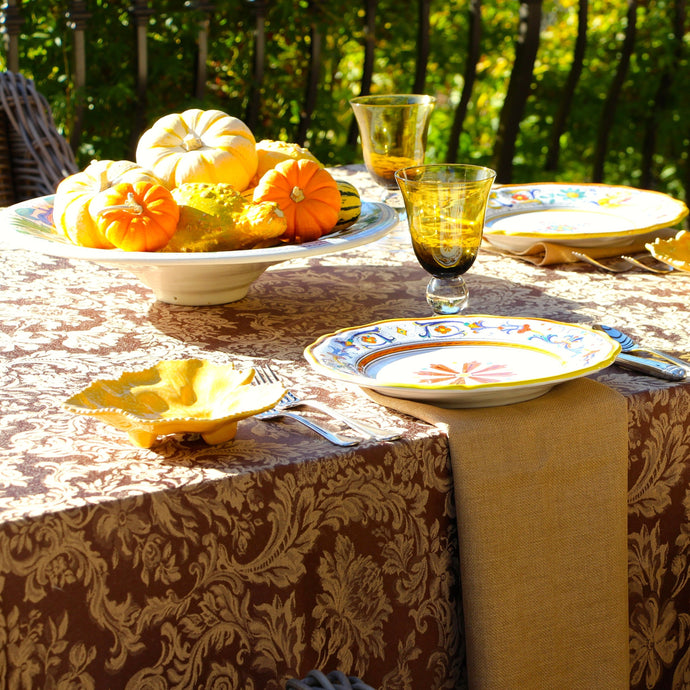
[(541, 501), (548, 253)]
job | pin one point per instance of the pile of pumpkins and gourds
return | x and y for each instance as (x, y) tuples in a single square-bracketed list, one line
[(201, 182)]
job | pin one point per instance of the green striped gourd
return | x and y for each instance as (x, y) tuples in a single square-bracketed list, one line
[(350, 205)]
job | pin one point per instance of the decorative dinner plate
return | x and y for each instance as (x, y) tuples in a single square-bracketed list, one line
[(579, 215), (462, 361), (198, 278)]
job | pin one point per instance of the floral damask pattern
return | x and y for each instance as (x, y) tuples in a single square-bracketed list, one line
[(239, 566), (162, 590), (659, 526)]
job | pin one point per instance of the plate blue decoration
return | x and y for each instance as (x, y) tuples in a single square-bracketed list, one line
[(462, 361)]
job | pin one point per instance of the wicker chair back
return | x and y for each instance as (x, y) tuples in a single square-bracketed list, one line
[(34, 156), (335, 680)]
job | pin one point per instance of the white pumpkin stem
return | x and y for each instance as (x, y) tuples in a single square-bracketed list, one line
[(192, 142), (103, 182), (297, 194), (130, 205)]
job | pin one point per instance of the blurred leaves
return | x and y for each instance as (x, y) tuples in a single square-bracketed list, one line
[(47, 55)]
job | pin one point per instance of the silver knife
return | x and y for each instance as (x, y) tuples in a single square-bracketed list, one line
[(631, 347), (652, 367)]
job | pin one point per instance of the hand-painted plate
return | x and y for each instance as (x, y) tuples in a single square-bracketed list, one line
[(468, 361), (578, 215), (188, 278)]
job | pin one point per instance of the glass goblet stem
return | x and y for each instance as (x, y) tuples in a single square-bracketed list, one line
[(447, 295)]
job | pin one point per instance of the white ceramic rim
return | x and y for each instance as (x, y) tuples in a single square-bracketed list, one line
[(375, 221)]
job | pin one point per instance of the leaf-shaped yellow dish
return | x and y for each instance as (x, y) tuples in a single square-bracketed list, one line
[(177, 396), (674, 251)]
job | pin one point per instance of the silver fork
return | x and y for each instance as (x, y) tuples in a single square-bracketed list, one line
[(614, 266), (289, 400), (278, 411), (659, 268)]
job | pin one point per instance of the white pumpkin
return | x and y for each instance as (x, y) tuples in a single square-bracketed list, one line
[(199, 146)]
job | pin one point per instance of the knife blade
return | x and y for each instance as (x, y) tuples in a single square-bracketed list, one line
[(651, 367)]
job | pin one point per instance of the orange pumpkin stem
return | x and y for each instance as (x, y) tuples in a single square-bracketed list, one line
[(130, 205), (192, 142), (297, 194)]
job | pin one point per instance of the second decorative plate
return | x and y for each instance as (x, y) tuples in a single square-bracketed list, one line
[(579, 215)]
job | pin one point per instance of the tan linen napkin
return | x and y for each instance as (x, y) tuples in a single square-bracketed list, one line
[(546, 253), (541, 497)]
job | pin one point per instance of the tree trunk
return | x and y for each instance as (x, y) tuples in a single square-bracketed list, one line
[(518, 89)]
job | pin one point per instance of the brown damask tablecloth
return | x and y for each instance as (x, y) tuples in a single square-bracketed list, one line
[(239, 566)]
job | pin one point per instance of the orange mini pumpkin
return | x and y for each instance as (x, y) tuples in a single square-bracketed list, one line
[(139, 217), (75, 194), (307, 195)]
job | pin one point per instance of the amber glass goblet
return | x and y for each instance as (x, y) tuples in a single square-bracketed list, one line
[(445, 207), (393, 130)]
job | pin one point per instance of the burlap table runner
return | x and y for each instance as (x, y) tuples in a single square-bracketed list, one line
[(540, 490)]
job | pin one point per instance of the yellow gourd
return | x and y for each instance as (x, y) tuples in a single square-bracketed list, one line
[(216, 217), (271, 152)]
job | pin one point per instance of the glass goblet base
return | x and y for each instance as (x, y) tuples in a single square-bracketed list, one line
[(447, 295)]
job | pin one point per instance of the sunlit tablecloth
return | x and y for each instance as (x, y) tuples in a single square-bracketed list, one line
[(245, 564)]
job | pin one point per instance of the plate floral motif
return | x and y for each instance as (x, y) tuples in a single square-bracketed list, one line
[(576, 214), (471, 361), (194, 279), (470, 372)]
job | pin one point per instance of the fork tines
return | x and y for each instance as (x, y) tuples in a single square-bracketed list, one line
[(264, 374)]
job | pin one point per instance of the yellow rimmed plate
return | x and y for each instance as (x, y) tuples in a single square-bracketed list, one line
[(577, 215), (462, 361), (176, 397)]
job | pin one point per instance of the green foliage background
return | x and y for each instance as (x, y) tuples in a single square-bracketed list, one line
[(47, 55)]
